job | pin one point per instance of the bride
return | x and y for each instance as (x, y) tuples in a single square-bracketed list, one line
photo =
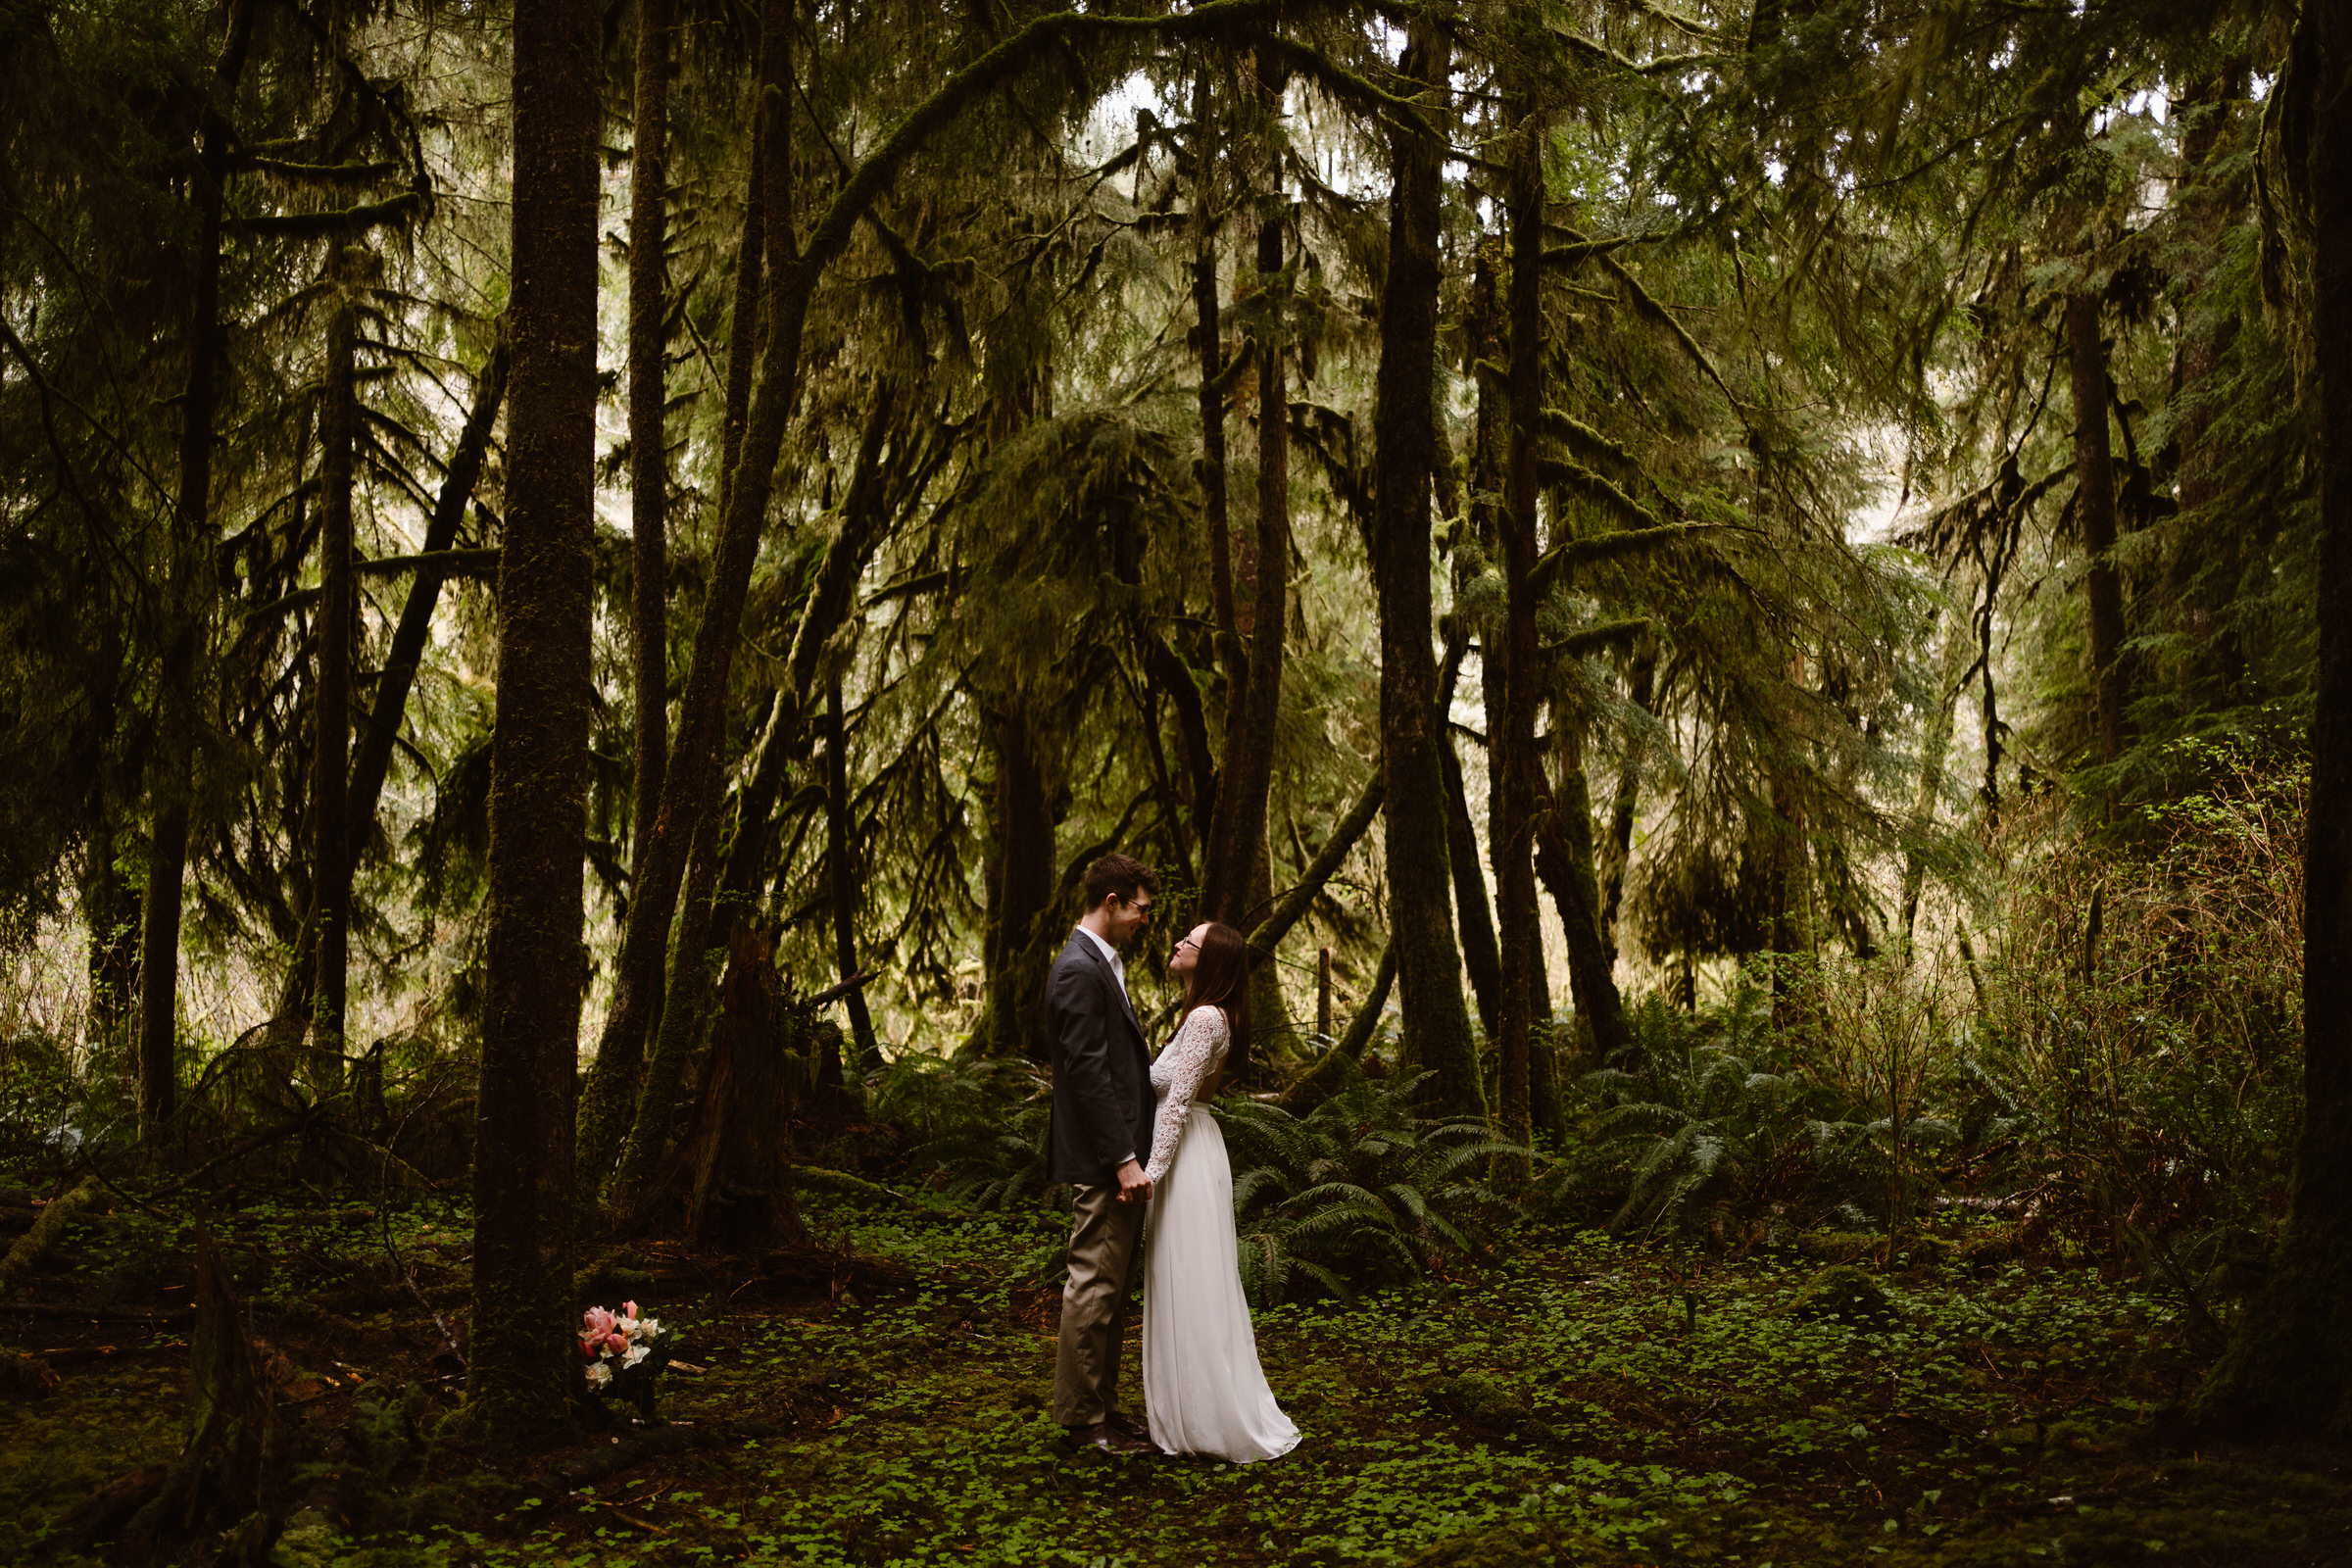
[(1204, 1391)]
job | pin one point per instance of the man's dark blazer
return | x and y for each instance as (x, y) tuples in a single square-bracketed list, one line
[(1102, 1069)]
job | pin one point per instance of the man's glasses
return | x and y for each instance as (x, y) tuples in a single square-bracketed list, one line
[(1143, 910)]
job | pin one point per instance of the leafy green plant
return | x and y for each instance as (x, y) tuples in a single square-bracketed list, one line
[(1360, 1188), (1710, 1128), (975, 1126)]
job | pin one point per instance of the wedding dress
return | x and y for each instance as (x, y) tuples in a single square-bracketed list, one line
[(1204, 1390)]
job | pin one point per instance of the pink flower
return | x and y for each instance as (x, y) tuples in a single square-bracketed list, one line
[(599, 1322), (628, 1309), (616, 1343), (588, 1349)]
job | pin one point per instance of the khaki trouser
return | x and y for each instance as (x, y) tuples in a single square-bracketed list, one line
[(1094, 1305)]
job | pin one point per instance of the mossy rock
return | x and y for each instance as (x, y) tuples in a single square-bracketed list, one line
[(1480, 1400), (1847, 1295), (1984, 1246), (1838, 1247), (1520, 1544)]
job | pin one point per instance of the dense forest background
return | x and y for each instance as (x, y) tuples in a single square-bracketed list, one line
[(1735, 595)]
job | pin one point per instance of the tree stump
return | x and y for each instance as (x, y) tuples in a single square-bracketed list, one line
[(735, 1161)]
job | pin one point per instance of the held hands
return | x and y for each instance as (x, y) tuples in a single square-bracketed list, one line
[(1133, 1186)]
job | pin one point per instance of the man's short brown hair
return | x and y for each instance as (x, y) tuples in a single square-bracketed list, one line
[(1122, 874)]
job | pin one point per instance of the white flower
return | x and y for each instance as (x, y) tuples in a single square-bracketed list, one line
[(648, 1329), (636, 1354), (599, 1374)]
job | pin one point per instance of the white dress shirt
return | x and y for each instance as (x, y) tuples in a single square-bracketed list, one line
[(1110, 955)]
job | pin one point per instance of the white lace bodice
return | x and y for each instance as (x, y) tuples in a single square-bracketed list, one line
[(1177, 1074)]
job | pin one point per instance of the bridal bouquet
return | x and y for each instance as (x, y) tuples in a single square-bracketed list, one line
[(623, 1355)]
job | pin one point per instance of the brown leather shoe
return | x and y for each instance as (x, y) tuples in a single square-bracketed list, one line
[(1108, 1438)]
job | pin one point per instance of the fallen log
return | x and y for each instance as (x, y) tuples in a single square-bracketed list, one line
[(47, 1231), (167, 1318)]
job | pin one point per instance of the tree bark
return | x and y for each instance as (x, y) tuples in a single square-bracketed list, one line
[(1564, 855), (1023, 893), (1489, 343), (2094, 507), (188, 598), (1329, 1072), (742, 328), (842, 878), (662, 1102), (1246, 786), (608, 1101), (113, 913), (524, 1368), (738, 1151), (691, 780), (1428, 964), (1512, 731), (331, 845), (1172, 678), (2199, 578), (1481, 956), (1935, 750), (649, 454), (1618, 851), (2288, 1369), (649, 450), (1216, 854)]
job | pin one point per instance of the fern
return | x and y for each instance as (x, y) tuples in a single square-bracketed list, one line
[(1360, 1190)]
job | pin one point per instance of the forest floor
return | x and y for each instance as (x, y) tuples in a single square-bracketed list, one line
[(1576, 1400)]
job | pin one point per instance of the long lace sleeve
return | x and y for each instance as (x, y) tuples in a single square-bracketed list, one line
[(1176, 1077)]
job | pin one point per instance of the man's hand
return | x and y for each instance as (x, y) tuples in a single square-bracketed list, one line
[(1133, 1186)]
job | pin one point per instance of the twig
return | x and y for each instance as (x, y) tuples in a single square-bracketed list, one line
[(835, 992)]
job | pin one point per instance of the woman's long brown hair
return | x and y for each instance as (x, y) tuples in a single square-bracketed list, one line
[(1220, 978)]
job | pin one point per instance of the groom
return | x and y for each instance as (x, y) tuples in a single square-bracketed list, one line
[(1101, 1130)]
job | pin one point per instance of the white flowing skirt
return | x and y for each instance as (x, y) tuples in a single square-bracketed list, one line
[(1204, 1390)]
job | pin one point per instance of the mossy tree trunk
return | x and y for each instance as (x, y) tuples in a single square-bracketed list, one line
[(1564, 855), (691, 778), (524, 1370), (1511, 729), (2094, 507), (1246, 780), (609, 1099), (736, 1161), (1481, 956), (187, 594), (1617, 850), (1208, 344), (2290, 1367), (841, 876), (1428, 963), (331, 839), (1021, 891)]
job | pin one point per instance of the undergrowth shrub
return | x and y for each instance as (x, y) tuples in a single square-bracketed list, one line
[(975, 1127), (1358, 1191), (2140, 1028), (2117, 1072), (1715, 1126)]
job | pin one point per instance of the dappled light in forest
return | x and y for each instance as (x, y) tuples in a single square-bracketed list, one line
[(1214, 783)]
